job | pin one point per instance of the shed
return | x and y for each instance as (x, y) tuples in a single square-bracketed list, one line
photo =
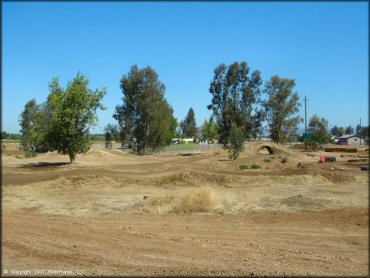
[(351, 140)]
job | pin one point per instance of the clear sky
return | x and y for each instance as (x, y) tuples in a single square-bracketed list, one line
[(323, 46)]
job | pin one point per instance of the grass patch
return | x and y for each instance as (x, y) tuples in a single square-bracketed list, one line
[(183, 147), (255, 166), (243, 167), (267, 160), (197, 201), (284, 160), (76, 178), (160, 200)]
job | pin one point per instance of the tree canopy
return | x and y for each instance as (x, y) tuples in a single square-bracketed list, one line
[(210, 130), (281, 107), (235, 98), (318, 129), (62, 123), (72, 113), (188, 125), (145, 118)]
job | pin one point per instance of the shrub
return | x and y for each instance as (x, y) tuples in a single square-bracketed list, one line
[(255, 166), (243, 167), (267, 160), (284, 160), (30, 153), (199, 201)]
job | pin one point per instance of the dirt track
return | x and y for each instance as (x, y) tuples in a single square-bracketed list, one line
[(90, 218)]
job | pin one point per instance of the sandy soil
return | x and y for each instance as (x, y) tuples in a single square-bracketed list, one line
[(113, 213)]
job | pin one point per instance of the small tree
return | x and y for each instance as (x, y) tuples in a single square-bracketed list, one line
[(236, 142), (210, 130), (73, 112), (111, 133), (30, 122)]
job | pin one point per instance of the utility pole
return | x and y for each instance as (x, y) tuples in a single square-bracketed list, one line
[(360, 131), (305, 123)]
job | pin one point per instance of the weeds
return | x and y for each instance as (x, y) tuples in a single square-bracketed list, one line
[(243, 167), (255, 166), (199, 201), (284, 160), (267, 160)]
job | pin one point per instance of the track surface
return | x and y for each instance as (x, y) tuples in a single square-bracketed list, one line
[(84, 230)]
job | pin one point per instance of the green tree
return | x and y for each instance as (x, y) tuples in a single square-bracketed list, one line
[(110, 134), (73, 112), (29, 121), (281, 107), (236, 142), (341, 131), (145, 117), (349, 130), (210, 130), (235, 98), (365, 131), (171, 131), (318, 129), (188, 125), (334, 131)]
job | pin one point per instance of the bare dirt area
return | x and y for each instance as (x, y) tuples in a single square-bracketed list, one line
[(114, 213)]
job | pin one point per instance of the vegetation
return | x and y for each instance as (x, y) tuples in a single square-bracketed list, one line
[(236, 142), (29, 122), (111, 134), (210, 130), (255, 166), (145, 117), (281, 107), (349, 130), (11, 136), (73, 111), (318, 129), (235, 96), (188, 126), (183, 147), (284, 160), (267, 160), (198, 201), (62, 123), (243, 167)]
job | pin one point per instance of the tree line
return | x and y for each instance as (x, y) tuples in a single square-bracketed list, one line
[(145, 122)]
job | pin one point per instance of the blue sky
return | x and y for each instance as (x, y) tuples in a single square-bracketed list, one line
[(323, 46)]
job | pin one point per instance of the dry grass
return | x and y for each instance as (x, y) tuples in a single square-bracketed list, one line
[(160, 200), (195, 201)]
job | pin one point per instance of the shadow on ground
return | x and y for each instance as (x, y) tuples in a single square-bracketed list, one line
[(44, 164)]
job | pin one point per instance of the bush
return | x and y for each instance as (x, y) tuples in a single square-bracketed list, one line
[(267, 160), (30, 153), (255, 166), (243, 167), (284, 160), (199, 201)]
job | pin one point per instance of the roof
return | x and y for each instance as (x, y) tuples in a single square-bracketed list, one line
[(349, 136)]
